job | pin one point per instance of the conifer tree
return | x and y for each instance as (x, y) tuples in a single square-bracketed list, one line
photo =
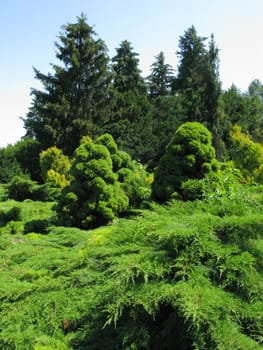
[(75, 98), (244, 109), (166, 108), (94, 196), (198, 82), (127, 75), (130, 122), (188, 156), (160, 79)]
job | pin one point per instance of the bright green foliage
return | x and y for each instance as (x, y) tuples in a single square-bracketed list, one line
[(247, 155), (55, 167), (105, 181), (16, 216), (75, 98), (94, 196), (245, 110), (221, 183), (134, 182), (131, 174), (188, 156), (182, 276)]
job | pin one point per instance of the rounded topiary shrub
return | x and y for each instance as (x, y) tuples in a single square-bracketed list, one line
[(94, 196), (188, 156)]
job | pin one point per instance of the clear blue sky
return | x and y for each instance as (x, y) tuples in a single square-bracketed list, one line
[(29, 29)]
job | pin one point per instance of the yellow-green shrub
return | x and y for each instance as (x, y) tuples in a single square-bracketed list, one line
[(55, 167), (247, 155)]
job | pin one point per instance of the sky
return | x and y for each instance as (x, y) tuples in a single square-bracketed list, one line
[(30, 28)]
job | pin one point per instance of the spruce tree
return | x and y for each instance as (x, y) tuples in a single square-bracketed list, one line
[(127, 75), (160, 79), (191, 74), (130, 121), (188, 156), (74, 98), (198, 83), (166, 108)]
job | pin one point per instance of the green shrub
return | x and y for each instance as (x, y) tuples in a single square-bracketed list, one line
[(192, 189), (13, 228), (9, 165), (188, 156), (37, 226), (55, 167), (12, 214), (247, 155), (94, 196), (20, 189)]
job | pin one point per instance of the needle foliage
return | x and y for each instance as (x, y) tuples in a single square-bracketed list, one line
[(183, 276)]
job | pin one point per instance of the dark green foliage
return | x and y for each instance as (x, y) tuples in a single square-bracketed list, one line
[(3, 192), (39, 226), (9, 165), (167, 116), (76, 96), (21, 188), (178, 275), (245, 110), (160, 80), (188, 156), (12, 214), (20, 159), (198, 83), (130, 121), (27, 154), (126, 73), (94, 196)]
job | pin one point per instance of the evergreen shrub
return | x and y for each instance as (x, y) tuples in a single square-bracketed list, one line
[(188, 156), (21, 188)]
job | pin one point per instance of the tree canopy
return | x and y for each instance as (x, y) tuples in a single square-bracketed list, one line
[(75, 97)]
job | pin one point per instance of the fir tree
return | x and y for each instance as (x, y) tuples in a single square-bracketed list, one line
[(198, 82), (75, 98), (160, 79), (130, 123)]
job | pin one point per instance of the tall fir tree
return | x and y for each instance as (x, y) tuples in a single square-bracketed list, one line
[(125, 65), (191, 72), (198, 82), (75, 98), (161, 77), (166, 109), (130, 123)]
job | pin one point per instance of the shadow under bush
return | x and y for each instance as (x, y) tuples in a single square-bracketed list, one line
[(37, 226)]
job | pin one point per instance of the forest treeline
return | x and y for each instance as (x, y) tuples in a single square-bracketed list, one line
[(91, 94)]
